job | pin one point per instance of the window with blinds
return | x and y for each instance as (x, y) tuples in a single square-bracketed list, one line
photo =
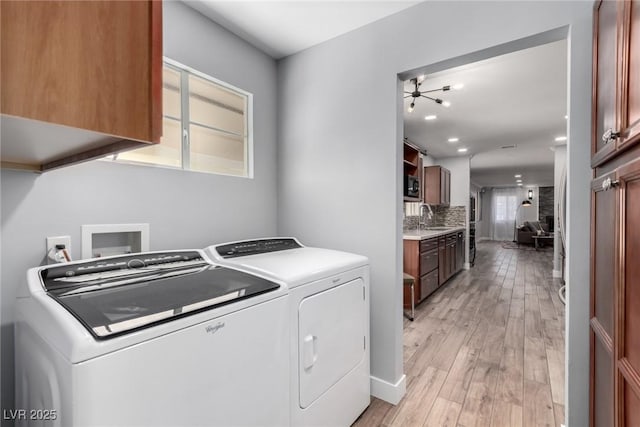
[(206, 125)]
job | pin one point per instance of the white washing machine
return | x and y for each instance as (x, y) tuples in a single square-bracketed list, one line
[(329, 323), (151, 339)]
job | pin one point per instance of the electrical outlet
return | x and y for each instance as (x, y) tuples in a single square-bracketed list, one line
[(51, 246)]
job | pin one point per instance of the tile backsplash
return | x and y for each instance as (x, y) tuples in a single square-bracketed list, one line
[(443, 216)]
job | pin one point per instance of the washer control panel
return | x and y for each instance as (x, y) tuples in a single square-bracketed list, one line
[(254, 247)]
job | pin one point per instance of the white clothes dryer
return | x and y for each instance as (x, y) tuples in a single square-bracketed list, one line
[(151, 339), (329, 323)]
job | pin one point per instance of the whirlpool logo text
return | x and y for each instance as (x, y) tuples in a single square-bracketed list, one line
[(212, 329)]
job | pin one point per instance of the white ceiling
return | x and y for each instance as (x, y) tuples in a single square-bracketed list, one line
[(282, 28), (517, 98), (514, 99)]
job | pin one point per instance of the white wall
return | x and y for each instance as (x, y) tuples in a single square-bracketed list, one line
[(184, 209), (483, 226), (428, 161), (340, 148), (460, 169), (559, 167)]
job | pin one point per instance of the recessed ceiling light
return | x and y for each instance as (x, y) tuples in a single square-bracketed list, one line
[(430, 117), (520, 185), (446, 103), (462, 150), (457, 86), (518, 176), (561, 138), (453, 139), (518, 180), (566, 117)]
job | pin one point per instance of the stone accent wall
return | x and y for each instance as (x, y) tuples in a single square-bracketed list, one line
[(443, 216), (545, 202)]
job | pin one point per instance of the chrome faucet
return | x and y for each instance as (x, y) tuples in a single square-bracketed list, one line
[(429, 215)]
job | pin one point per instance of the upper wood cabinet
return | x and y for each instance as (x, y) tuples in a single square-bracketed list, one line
[(437, 185), (412, 167), (80, 79), (616, 78)]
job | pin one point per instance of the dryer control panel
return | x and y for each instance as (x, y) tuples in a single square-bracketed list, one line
[(254, 247)]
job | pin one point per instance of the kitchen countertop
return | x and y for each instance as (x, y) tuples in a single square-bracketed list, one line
[(428, 234)]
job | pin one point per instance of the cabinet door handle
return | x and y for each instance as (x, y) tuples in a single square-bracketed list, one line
[(608, 184), (610, 136)]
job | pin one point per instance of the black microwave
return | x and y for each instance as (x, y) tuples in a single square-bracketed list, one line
[(411, 186)]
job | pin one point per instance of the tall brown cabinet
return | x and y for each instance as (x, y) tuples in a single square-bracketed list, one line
[(615, 216)]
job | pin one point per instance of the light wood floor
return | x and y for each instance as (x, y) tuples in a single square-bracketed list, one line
[(487, 349)]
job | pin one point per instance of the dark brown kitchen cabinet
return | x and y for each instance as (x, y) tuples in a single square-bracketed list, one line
[(602, 300), (615, 297), (80, 80), (443, 264), (437, 185), (630, 81), (627, 312), (421, 261), (615, 218), (451, 257), (431, 262), (616, 79)]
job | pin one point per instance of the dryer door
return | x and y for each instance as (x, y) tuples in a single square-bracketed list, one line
[(331, 335)]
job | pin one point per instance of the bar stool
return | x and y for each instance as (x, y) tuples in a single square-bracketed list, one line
[(409, 283)]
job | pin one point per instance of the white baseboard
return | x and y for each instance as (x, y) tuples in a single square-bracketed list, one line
[(557, 273), (466, 266), (387, 391)]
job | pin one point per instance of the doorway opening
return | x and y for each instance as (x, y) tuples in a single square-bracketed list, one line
[(502, 138)]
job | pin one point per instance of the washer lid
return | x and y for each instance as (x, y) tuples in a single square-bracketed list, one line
[(114, 302)]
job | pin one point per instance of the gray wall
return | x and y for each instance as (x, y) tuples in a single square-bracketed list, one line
[(183, 209), (340, 151)]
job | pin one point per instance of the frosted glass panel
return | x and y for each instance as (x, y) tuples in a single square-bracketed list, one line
[(216, 107), (167, 153), (171, 93), (213, 151), (216, 116)]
